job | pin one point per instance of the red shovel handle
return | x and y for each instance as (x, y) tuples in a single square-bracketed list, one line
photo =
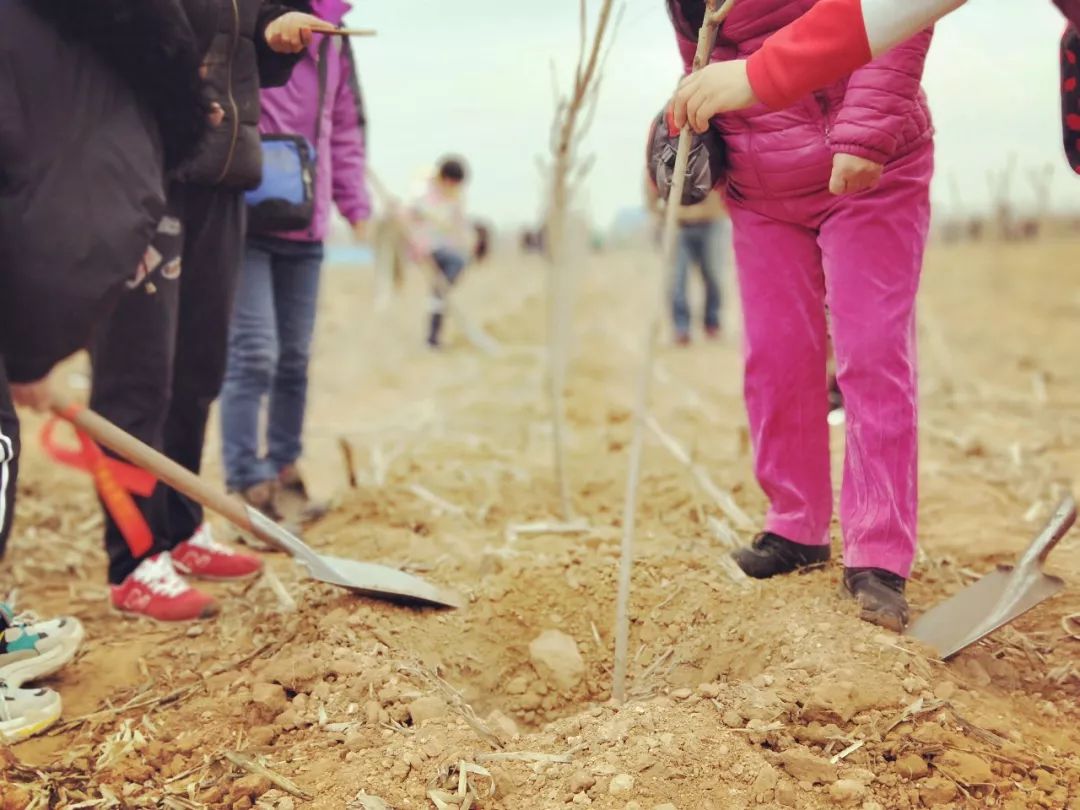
[(114, 481), (142, 455)]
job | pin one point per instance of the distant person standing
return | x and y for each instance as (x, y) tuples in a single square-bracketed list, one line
[(274, 315), (702, 231), (442, 234), (702, 219)]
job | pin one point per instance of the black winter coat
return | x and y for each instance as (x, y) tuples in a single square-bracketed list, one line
[(98, 98), (238, 63)]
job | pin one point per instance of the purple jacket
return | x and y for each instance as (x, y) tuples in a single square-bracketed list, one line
[(341, 150), (879, 112)]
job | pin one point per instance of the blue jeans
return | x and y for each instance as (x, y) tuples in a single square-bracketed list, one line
[(269, 349), (700, 243), (451, 265)]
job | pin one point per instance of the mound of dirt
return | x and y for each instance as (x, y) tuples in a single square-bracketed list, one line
[(742, 694)]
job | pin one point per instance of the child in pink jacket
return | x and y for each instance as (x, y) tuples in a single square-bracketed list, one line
[(802, 244)]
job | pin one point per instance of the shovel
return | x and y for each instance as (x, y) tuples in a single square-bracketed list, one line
[(999, 597), (377, 581)]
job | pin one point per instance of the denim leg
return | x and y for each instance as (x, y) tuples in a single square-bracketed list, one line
[(451, 265), (249, 375), (296, 272), (680, 307), (710, 261)]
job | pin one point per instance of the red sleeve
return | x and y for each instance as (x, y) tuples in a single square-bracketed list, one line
[(824, 45)]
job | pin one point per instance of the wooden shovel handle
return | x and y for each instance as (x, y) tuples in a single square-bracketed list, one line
[(142, 455)]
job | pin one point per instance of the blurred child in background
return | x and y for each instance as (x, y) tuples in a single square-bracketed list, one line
[(441, 233)]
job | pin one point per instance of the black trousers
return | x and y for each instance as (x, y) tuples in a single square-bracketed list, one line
[(159, 362), (9, 459)]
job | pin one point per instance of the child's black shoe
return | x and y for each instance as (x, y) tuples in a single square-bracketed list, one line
[(880, 595), (770, 554)]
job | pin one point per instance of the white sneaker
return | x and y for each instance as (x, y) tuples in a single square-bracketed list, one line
[(32, 648), (26, 712)]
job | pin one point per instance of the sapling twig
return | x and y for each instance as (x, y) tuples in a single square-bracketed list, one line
[(570, 115), (714, 16)]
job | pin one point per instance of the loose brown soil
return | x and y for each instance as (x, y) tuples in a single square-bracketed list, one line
[(744, 694)]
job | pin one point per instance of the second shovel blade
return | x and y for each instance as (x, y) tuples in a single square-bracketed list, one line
[(977, 610), (382, 582)]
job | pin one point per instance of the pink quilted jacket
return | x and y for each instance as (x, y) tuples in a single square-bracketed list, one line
[(879, 112)]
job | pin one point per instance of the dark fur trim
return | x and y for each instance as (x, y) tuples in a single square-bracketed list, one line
[(151, 46)]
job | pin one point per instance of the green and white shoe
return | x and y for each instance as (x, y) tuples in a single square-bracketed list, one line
[(26, 712), (32, 648)]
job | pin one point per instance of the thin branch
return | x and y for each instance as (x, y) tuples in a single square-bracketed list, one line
[(583, 32), (276, 779), (706, 39)]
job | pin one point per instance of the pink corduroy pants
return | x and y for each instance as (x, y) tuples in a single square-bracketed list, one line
[(859, 256)]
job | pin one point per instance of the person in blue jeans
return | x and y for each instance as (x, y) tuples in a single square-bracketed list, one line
[(269, 352), (274, 312), (450, 265), (700, 242)]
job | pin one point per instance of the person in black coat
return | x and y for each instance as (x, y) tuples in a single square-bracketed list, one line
[(98, 100), (159, 361)]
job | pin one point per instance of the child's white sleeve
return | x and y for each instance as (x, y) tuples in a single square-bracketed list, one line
[(890, 22)]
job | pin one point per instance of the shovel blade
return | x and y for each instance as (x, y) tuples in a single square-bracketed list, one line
[(981, 608), (370, 579), (382, 582)]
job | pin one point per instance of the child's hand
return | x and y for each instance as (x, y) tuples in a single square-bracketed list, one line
[(852, 174), (291, 33), (719, 87), (360, 230)]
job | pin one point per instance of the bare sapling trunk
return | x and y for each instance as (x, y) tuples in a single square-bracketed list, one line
[(571, 120), (714, 16)]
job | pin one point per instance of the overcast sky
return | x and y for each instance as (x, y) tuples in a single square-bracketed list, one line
[(474, 77)]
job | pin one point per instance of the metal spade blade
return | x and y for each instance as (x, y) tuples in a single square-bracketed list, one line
[(370, 579), (378, 581), (999, 597)]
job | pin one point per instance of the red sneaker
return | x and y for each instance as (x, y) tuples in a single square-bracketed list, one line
[(713, 333), (154, 589), (204, 557)]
